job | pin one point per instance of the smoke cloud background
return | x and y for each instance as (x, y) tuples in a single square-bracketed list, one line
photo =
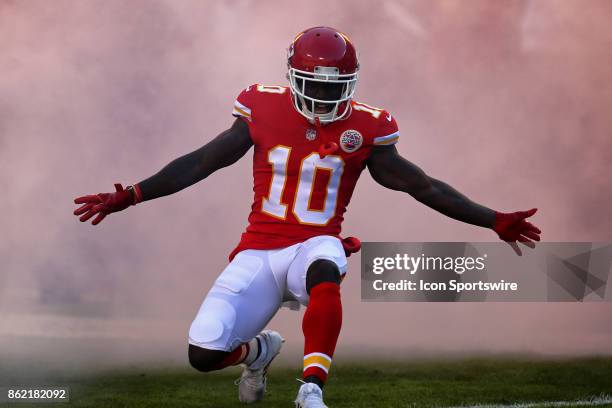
[(509, 102)]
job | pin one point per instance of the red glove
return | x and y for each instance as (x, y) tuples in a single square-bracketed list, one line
[(512, 227), (103, 204)]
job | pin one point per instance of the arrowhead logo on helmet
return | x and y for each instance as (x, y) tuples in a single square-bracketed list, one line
[(323, 67)]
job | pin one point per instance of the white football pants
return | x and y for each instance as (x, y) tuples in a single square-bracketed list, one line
[(251, 289)]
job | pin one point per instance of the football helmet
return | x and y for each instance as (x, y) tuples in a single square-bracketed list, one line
[(323, 65)]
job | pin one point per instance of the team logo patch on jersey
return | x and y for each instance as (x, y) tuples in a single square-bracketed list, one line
[(311, 134), (350, 140)]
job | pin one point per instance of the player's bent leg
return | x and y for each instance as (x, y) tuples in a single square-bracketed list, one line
[(205, 360), (322, 270), (321, 327), (313, 280), (240, 304), (322, 320), (315, 250)]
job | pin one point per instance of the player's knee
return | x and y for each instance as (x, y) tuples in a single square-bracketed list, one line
[(321, 271), (203, 359)]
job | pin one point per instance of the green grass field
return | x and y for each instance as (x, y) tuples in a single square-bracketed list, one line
[(419, 384)]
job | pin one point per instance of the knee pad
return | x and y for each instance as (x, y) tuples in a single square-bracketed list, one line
[(322, 270), (213, 325)]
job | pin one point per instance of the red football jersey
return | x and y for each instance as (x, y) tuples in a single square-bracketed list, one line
[(298, 193)]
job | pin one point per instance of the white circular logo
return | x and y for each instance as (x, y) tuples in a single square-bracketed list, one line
[(311, 134), (350, 140)]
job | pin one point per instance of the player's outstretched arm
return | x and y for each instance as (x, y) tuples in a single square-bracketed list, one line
[(222, 151), (391, 170)]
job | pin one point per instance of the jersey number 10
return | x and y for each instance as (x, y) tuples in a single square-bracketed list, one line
[(278, 157)]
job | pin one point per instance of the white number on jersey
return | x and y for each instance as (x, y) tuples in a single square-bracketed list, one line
[(278, 157), (366, 108), (271, 89)]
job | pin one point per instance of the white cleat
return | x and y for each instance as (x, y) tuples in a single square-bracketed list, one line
[(310, 396), (252, 382)]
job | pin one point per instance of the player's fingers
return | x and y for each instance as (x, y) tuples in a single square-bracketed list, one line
[(99, 218), (529, 244), (528, 213), (100, 208), (88, 215), (118, 187), (526, 241), (532, 227), (87, 199), (531, 235), (83, 209), (515, 247)]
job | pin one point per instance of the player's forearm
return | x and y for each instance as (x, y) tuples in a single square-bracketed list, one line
[(186, 171), (224, 150), (177, 175), (448, 201)]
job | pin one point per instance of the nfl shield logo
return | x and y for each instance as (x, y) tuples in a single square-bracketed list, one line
[(311, 134), (350, 140)]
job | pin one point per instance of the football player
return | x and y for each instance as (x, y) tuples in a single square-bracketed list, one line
[(311, 141)]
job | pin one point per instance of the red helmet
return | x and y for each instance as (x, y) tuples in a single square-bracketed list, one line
[(322, 74)]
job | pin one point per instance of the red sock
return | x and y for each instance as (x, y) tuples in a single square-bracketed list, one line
[(321, 327), (235, 357)]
